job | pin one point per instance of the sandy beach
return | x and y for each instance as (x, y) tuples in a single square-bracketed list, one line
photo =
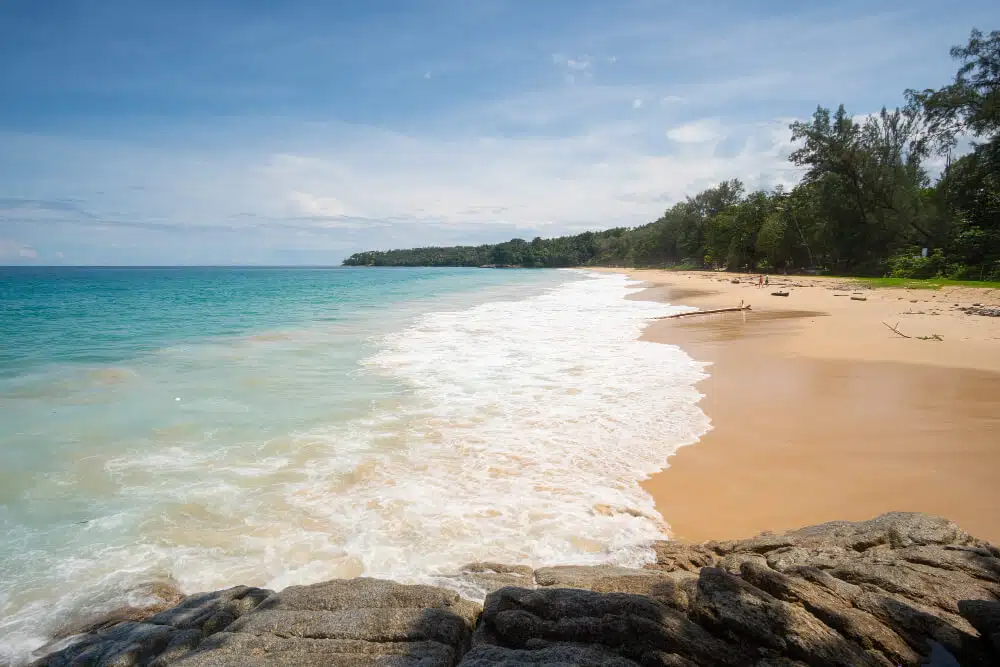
[(821, 413)]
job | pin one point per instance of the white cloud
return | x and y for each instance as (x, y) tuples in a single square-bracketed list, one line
[(12, 249), (637, 103), (696, 132), (345, 187), (427, 75), (319, 207), (671, 99)]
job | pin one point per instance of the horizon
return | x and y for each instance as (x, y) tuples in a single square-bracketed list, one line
[(213, 134)]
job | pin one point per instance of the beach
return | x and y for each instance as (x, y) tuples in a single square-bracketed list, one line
[(821, 412)]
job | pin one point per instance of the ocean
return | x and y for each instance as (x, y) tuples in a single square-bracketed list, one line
[(275, 426)]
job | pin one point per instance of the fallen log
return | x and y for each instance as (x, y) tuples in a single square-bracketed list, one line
[(779, 293), (735, 309), (859, 298)]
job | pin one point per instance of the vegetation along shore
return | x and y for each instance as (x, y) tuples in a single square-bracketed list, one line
[(876, 192)]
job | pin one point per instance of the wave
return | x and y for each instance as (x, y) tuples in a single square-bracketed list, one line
[(517, 431)]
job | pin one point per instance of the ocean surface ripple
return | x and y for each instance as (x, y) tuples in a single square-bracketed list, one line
[(277, 429)]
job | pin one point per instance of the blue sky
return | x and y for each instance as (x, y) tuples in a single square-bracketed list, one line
[(135, 132)]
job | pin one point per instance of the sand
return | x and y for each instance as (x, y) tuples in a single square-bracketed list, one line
[(822, 413)]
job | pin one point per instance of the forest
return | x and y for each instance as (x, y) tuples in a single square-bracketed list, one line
[(867, 203)]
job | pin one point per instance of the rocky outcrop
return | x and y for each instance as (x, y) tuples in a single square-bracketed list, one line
[(901, 589)]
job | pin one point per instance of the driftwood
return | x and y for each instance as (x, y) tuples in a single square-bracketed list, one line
[(895, 330), (779, 293), (735, 309), (859, 298)]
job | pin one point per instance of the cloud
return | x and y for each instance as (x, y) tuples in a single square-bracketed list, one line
[(579, 67), (696, 132), (11, 249), (42, 208), (340, 186), (282, 140), (318, 207)]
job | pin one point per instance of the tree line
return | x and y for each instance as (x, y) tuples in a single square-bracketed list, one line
[(866, 204)]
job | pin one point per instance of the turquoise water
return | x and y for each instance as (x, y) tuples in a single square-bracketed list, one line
[(213, 426)]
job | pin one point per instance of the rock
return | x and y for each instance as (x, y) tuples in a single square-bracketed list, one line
[(161, 594), (558, 654), (635, 627), (229, 649), (984, 615), (477, 580), (900, 589), (580, 576), (165, 635), (671, 556), (124, 645), (212, 612), (740, 609), (864, 629), (347, 622)]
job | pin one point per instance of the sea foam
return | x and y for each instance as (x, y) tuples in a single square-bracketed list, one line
[(529, 429), (517, 430)]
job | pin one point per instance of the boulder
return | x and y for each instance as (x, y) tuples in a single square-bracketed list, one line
[(900, 589)]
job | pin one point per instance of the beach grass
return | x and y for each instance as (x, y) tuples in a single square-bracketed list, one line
[(926, 283)]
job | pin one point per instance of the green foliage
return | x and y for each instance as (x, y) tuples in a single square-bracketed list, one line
[(912, 264), (864, 207), (928, 284)]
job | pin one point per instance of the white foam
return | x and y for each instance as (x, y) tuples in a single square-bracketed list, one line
[(531, 425), (521, 435)]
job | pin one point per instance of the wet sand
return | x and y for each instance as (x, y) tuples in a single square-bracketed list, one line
[(821, 413)]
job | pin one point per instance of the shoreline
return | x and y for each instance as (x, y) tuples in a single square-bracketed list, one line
[(821, 413)]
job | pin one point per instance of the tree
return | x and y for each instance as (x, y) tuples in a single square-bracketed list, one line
[(969, 191), (971, 103)]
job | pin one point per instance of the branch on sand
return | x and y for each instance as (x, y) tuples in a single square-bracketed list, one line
[(735, 309), (895, 330)]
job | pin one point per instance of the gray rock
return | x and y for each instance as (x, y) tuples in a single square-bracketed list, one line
[(984, 616), (125, 645), (227, 649), (739, 608), (900, 589), (862, 628), (636, 627), (477, 580), (556, 655), (895, 529), (373, 625), (673, 556), (361, 593), (581, 576), (211, 612)]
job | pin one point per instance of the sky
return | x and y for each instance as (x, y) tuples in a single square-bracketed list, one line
[(251, 132)]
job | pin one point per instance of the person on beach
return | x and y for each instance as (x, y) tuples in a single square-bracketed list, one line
[(767, 280), (760, 281)]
